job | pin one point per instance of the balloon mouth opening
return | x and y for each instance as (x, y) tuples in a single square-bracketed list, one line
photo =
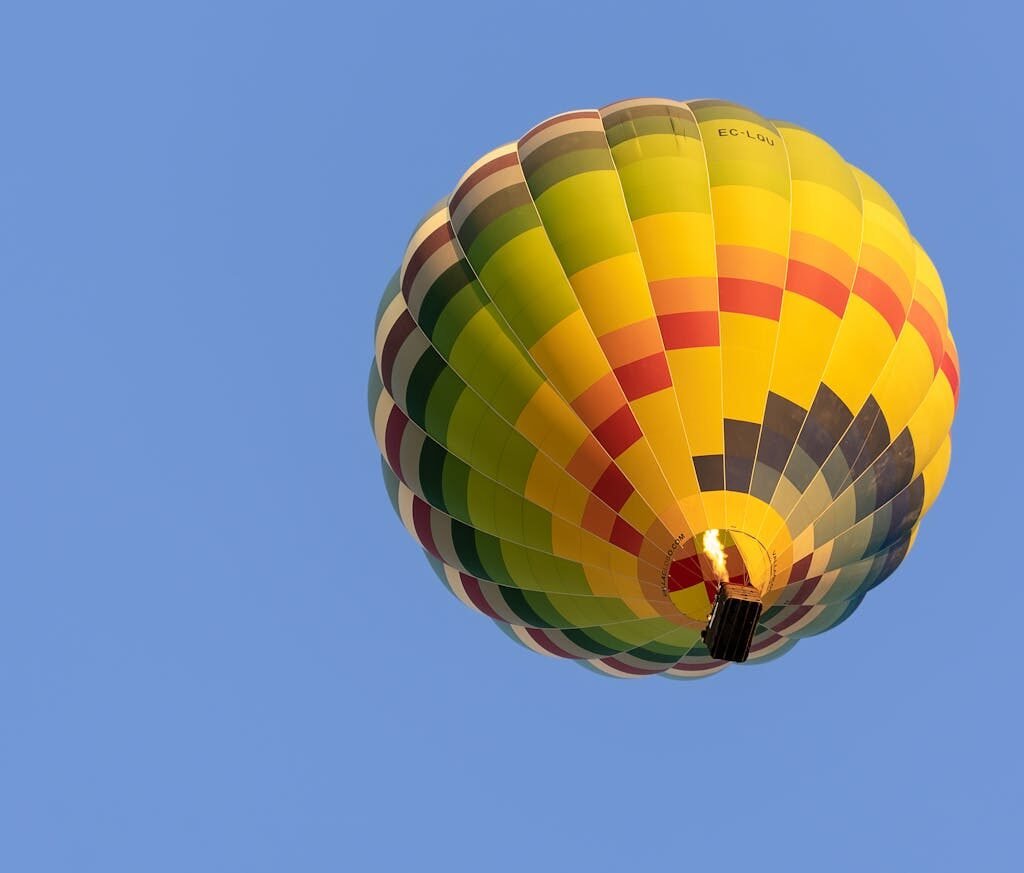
[(716, 557)]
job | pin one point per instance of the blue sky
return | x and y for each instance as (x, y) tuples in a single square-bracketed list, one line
[(219, 651)]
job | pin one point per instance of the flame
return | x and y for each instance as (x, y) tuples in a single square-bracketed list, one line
[(713, 549)]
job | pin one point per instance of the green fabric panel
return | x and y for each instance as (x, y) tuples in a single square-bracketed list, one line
[(432, 473), (453, 280), (567, 166), (499, 232), (455, 486), (536, 523), (516, 462), (813, 160), (582, 218), (657, 185), (598, 640), (465, 419), (491, 551), (464, 540), (490, 211), (588, 610), (757, 174), (586, 138), (424, 375), (719, 110), (463, 305), (527, 284), (532, 607), (444, 395)]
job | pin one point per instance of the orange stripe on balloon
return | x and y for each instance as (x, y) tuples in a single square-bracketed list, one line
[(925, 325), (689, 330), (644, 377), (749, 297), (881, 298), (817, 285)]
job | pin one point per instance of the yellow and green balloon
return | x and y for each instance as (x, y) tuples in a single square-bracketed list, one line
[(642, 324)]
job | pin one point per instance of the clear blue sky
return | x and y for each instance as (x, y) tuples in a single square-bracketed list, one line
[(219, 650)]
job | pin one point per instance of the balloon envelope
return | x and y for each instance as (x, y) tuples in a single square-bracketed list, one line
[(645, 332)]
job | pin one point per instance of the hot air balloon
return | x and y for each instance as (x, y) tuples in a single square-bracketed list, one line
[(663, 386)]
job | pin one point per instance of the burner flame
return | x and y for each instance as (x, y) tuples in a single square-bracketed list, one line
[(713, 549)]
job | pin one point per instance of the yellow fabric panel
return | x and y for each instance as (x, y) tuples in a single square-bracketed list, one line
[(659, 418), (813, 159), (747, 216), (570, 497), (613, 293), (747, 346), (935, 473), (807, 332), (679, 245), (692, 601), (747, 262), (906, 379), (571, 356), (861, 349), (698, 375), (483, 344), (543, 484), (876, 194), (928, 275), (548, 423), (930, 424), (567, 541), (639, 514), (715, 503), (821, 211), (925, 295), (674, 244), (524, 278), (647, 478), (663, 168)]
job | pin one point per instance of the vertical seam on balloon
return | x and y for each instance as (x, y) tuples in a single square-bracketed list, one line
[(661, 339), (881, 373), (604, 355), (849, 479), (482, 400), (828, 358), (500, 315), (718, 290), (925, 462), (429, 339), (778, 333)]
